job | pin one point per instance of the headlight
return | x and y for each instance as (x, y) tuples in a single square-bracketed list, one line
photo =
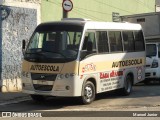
[(65, 76), (27, 86), (25, 74), (155, 64)]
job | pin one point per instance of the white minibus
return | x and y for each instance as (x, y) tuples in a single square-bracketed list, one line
[(81, 58)]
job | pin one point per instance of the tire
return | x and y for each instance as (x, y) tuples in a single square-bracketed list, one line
[(88, 93), (38, 98), (127, 85)]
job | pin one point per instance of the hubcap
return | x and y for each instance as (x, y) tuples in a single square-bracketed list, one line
[(128, 85), (88, 93)]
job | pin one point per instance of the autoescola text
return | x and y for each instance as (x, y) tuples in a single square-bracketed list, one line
[(127, 63), (44, 68)]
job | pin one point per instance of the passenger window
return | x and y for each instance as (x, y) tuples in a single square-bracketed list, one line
[(139, 41), (89, 42), (128, 40), (102, 41), (115, 41)]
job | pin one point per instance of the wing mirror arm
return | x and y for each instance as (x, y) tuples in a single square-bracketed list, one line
[(23, 46)]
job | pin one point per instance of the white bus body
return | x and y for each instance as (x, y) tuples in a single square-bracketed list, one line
[(83, 58)]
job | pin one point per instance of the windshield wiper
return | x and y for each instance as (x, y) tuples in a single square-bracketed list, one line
[(39, 53), (55, 52)]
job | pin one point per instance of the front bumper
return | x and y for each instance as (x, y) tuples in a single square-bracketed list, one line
[(152, 73), (66, 87)]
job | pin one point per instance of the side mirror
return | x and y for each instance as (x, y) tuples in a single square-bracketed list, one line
[(23, 46)]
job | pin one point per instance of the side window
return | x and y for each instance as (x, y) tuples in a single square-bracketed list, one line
[(128, 40), (139, 41), (115, 41), (102, 41), (89, 43)]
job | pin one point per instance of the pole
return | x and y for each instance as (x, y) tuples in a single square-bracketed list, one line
[(65, 14), (0, 44)]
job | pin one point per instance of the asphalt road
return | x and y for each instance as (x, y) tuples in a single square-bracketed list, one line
[(142, 98)]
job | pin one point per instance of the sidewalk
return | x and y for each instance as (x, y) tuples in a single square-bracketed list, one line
[(15, 97)]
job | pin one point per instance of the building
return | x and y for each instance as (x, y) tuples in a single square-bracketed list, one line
[(157, 5), (100, 10), (18, 19)]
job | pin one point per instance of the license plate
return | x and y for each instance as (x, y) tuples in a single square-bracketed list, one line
[(42, 82)]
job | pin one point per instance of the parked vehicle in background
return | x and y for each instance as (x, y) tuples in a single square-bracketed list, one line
[(152, 62), (150, 23)]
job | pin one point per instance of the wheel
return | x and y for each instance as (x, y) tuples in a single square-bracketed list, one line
[(127, 85), (38, 98), (88, 93)]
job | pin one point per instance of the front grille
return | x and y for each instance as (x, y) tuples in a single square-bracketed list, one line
[(43, 76), (147, 74), (43, 87)]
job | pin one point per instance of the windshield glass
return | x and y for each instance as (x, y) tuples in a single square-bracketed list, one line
[(151, 50), (55, 43)]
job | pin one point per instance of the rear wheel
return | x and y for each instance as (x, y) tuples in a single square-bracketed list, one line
[(38, 98), (127, 85), (88, 93)]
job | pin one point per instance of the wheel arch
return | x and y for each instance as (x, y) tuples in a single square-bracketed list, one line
[(91, 79), (130, 73)]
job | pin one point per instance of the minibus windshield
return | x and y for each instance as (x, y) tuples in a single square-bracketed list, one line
[(151, 50), (55, 43)]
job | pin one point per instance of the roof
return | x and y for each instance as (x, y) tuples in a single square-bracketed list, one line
[(112, 25), (66, 25), (87, 24)]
